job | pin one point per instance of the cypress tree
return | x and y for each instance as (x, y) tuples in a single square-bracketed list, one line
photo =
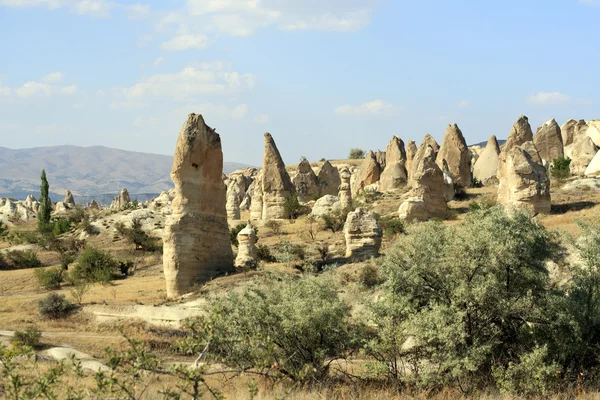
[(45, 203)]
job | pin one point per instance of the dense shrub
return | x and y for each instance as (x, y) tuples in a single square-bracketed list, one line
[(560, 168), (137, 236), (21, 259), (334, 221), (291, 206), (55, 306), (392, 226), (29, 337), (264, 253), (356, 154), (288, 252), (95, 266), (368, 276), (233, 232), (49, 278)]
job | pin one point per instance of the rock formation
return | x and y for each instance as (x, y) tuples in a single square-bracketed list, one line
[(548, 141), (411, 150), (449, 190), (593, 131), (61, 207), (247, 256), (345, 192), (593, 169), (456, 153), (306, 182), (582, 153), (326, 205), (93, 206), (276, 183), (367, 174), (32, 204), (69, 200), (232, 203), (256, 204), (363, 234), (196, 236), (486, 167), (426, 198), (380, 156), (523, 181), (122, 200), (329, 179), (394, 175), (567, 132)]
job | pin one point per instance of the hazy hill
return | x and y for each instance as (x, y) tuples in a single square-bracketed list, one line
[(86, 171)]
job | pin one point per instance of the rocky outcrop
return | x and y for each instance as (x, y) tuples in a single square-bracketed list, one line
[(247, 256), (584, 150), (411, 150), (93, 206), (368, 173), (32, 204), (486, 167), (380, 156), (256, 204), (593, 131), (449, 190), (61, 207), (456, 153), (306, 182), (329, 179), (428, 141), (394, 175), (276, 183), (196, 245), (593, 169), (523, 180), (326, 205), (567, 132), (548, 141), (427, 197), (363, 234), (121, 201), (345, 192), (233, 200), (69, 200)]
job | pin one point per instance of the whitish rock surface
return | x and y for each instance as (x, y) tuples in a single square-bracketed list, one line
[(583, 184), (235, 195), (196, 236), (394, 175), (427, 196), (449, 190), (368, 173), (256, 205), (583, 152), (60, 207), (411, 150), (345, 192), (456, 153), (247, 256), (593, 131), (567, 132), (32, 204), (306, 182), (523, 181), (276, 183), (326, 205), (329, 179), (122, 200), (363, 234), (428, 141), (486, 167), (548, 141), (69, 200), (94, 206), (380, 156), (593, 168)]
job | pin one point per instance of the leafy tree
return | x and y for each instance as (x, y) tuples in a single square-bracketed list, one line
[(45, 209), (356, 154), (561, 168), (292, 206), (233, 232), (95, 266)]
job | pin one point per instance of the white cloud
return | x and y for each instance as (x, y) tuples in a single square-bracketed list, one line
[(548, 98), (158, 61), (33, 88), (92, 8), (212, 110), (186, 42), (137, 11), (71, 89), (125, 105), (53, 77), (191, 81), (261, 119), (371, 108), (464, 104)]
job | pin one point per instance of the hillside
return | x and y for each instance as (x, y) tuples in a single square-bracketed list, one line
[(86, 171)]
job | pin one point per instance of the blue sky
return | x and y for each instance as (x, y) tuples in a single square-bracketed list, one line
[(321, 75)]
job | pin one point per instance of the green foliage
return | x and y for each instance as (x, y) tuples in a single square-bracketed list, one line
[(369, 277), (323, 160), (483, 204), (3, 231), (292, 328), (291, 206), (233, 232), (22, 259), (264, 253), (561, 168), (334, 220), (356, 154), (45, 209), (392, 226), (29, 337), (95, 266), (137, 236), (49, 278), (55, 306), (274, 226), (290, 253), (60, 226)]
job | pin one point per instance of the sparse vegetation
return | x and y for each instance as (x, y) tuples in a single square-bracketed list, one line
[(30, 337), (561, 168), (55, 306), (356, 154), (137, 236), (292, 207), (334, 221), (49, 278), (274, 226), (233, 232)]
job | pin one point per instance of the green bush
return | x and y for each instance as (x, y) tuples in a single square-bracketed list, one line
[(137, 236), (288, 252), (49, 278), (334, 221), (274, 226), (369, 277), (293, 328), (392, 226), (292, 207), (233, 232), (356, 154), (264, 253), (96, 266), (21, 259), (560, 168), (55, 306), (29, 337)]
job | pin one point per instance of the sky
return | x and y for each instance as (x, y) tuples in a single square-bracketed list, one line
[(322, 76)]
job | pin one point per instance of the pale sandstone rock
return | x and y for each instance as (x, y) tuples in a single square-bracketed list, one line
[(567, 132), (593, 169), (593, 131), (367, 174), (345, 192), (449, 190), (276, 183), (326, 205), (363, 234), (411, 150), (306, 182), (428, 141), (256, 205), (196, 236), (455, 151), (69, 200), (329, 179), (94, 206), (61, 207), (381, 158), (247, 256), (122, 200), (519, 134), (548, 141), (394, 175), (232, 204), (584, 151), (486, 167)]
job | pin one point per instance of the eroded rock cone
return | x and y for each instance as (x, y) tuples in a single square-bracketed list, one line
[(411, 150), (232, 204), (428, 141), (247, 256), (427, 197), (456, 153), (593, 131), (523, 179), (306, 182), (363, 234), (122, 200), (329, 180), (567, 132), (256, 201), (394, 175), (548, 141), (345, 192), (380, 156), (583, 151), (449, 190), (486, 168), (593, 169), (368, 173), (69, 200), (276, 183), (94, 206), (196, 245)]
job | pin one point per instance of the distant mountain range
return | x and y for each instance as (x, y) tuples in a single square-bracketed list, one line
[(483, 144), (88, 172)]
